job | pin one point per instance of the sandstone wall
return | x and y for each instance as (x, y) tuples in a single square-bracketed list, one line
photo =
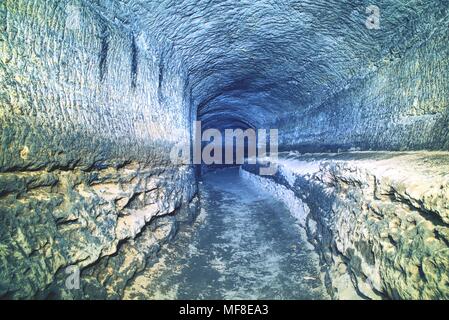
[(86, 126), (401, 104), (382, 219)]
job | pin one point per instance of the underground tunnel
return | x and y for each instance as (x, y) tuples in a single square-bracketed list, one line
[(95, 96)]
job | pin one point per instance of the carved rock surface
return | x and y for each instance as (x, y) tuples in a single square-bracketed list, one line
[(382, 218), (94, 95), (85, 138)]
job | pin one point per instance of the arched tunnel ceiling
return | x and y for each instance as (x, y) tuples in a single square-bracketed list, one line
[(254, 61)]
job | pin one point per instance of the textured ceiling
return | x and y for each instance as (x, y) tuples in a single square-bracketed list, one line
[(252, 62)]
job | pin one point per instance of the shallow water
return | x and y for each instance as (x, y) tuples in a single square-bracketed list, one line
[(245, 245)]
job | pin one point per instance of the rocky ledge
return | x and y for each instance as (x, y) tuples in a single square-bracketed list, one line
[(106, 222), (380, 221)]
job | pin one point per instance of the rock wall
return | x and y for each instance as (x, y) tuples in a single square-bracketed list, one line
[(401, 104), (86, 127), (381, 218)]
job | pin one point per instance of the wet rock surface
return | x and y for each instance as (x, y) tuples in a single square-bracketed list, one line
[(380, 218)]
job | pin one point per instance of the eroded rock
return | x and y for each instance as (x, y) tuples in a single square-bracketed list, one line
[(379, 217)]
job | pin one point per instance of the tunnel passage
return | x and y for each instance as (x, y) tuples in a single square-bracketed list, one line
[(94, 95)]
